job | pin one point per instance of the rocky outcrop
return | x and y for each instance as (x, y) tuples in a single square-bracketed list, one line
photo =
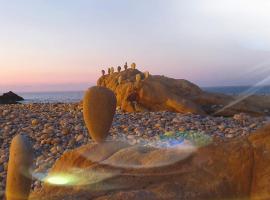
[(159, 93), (236, 169), (10, 98)]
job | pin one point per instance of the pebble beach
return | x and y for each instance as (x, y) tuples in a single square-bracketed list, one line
[(56, 128)]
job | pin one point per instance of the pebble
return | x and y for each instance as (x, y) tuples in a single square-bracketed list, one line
[(79, 138), (34, 122)]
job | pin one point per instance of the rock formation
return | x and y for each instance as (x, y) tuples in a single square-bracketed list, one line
[(237, 169), (10, 98), (103, 72), (20, 163), (112, 70), (126, 66), (146, 74), (160, 93), (138, 78), (133, 66), (119, 69), (109, 71), (99, 105)]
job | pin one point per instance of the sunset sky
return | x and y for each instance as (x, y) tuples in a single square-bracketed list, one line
[(63, 44)]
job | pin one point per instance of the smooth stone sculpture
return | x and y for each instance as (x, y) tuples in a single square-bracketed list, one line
[(20, 163), (119, 69), (119, 80), (112, 70), (109, 71), (99, 105), (146, 74), (133, 65), (126, 66), (138, 78), (103, 72)]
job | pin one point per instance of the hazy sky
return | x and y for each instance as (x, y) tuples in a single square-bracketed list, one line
[(63, 44)]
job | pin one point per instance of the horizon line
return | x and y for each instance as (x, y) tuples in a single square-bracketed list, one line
[(81, 90)]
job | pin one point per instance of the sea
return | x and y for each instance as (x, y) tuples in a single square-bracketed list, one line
[(76, 96)]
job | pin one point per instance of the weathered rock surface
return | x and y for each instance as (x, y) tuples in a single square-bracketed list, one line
[(10, 98), (260, 189), (238, 169), (159, 93)]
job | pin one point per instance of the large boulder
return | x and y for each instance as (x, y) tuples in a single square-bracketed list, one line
[(237, 169), (10, 98), (160, 93)]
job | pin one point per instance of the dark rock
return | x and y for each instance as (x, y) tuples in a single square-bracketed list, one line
[(10, 98)]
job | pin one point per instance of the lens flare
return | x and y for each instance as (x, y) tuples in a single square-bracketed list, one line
[(251, 91), (61, 179)]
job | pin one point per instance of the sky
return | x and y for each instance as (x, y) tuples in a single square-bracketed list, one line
[(56, 45)]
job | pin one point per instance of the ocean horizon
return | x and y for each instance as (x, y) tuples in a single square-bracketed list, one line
[(76, 96)]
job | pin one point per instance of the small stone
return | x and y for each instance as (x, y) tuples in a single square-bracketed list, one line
[(130, 137), (229, 136), (222, 127), (1, 168), (53, 150), (79, 138), (59, 148), (65, 131), (77, 128), (169, 134), (34, 122), (252, 126), (240, 117)]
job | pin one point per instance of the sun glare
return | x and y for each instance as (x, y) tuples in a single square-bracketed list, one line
[(60, 180)]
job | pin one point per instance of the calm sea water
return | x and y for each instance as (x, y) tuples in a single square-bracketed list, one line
[(52, 97), (76, 96), (236, 90)]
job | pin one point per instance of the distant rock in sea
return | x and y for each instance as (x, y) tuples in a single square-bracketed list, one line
[(160, 93), (10, 98)]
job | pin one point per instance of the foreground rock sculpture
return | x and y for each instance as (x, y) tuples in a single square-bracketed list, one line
[(19, 169), (160, 93), (99, 106), (237, 169)]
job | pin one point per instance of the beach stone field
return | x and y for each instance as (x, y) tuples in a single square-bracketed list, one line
[(56, 128)]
